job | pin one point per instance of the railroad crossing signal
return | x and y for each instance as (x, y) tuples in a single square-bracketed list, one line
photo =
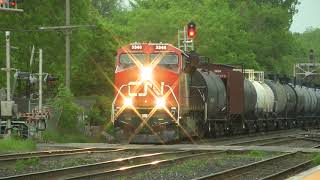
[(10, 5)]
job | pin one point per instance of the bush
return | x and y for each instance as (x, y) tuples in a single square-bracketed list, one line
[(101, 113), (70, 112), (109, 128), (95, 117)]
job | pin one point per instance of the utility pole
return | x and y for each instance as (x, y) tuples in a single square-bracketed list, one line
[(67, 28), (29, 82), (8, 66), (8, 70), (40, 79), (68, 58)]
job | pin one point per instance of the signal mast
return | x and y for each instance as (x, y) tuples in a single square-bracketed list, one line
[(186, 36), (10, 5)]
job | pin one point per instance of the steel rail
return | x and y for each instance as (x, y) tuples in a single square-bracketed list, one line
[(253, 136), (281, 134), (7, 161), (62, 172), (309, 139), (287, 139), (292, 170), (238, 170), (38, 153), (256, 140), (316, 146), (140, 167), (277, 142)]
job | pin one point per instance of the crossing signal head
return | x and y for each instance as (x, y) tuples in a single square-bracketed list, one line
[(192, 30), (51, 80)]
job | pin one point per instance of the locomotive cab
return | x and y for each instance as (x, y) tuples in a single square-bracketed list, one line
[(146, 106)]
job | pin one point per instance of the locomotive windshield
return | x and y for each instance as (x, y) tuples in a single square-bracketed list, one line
[(169, 61), (126, 59)]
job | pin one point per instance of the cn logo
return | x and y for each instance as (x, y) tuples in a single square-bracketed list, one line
[(132, 86)]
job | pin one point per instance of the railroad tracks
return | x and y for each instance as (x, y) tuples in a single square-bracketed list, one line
[(136, 163), (268, 139), (259, 142), (116, 167), (273, 168), (9, 159), (280, 141), (240, 139)]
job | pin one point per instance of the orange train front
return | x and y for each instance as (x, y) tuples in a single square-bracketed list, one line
[(150, 92)]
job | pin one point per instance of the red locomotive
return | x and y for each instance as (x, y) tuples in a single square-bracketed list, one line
[(163, 94), (149, 92)]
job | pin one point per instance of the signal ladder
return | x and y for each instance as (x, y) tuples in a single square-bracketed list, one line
[(184, 42)]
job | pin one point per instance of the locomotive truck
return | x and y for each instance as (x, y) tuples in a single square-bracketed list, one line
[(163, 94)]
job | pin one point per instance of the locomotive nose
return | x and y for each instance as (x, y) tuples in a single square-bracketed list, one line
[(160, 102), (146, 74)]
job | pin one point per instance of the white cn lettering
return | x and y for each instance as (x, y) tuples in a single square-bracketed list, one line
[(147, 85)]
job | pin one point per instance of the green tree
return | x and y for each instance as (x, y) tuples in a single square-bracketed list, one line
[(308, 40), (87, 45), (253, 33)]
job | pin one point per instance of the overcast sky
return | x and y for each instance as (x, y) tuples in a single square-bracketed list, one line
[(308, 16)]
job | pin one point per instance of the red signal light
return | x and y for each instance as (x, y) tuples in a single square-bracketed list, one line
[(192, 30), (13, 4), (191, 33)]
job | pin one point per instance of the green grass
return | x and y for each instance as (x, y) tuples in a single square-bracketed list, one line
[(186, 168), (316, 159), (60, 137), (16, 145), (258, 154), (28, 163)]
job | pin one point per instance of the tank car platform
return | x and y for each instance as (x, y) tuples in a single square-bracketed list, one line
[(311, 174)]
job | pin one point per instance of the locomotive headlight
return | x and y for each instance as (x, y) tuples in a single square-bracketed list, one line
[(146, 73), (160, 102), (127, 102)]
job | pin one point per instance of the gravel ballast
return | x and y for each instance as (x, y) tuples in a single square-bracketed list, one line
[(200, 166), (36, 165)]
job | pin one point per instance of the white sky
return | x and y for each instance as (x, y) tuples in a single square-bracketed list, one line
[(308, 16)]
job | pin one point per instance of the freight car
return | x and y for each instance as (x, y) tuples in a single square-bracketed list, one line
[(163, 94)]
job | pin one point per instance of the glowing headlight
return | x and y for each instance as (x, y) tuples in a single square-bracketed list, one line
[(127, 102), (146, 74), (160, 102)]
